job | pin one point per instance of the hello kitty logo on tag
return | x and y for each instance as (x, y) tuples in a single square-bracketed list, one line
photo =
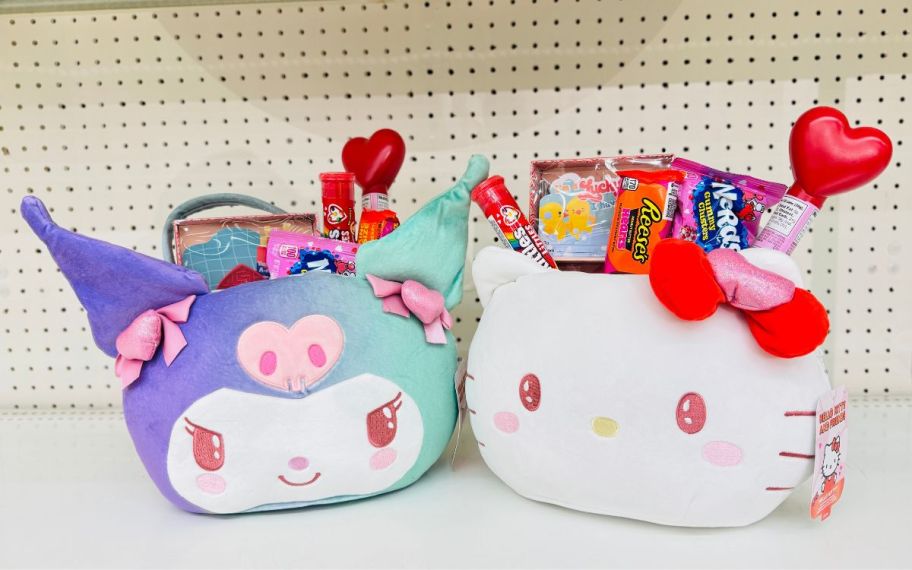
[(830, 456)]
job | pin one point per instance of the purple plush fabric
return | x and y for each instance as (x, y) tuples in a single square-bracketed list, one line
[(113, 283)]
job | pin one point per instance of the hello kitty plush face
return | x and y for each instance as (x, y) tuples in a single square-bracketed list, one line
[(585, 392)]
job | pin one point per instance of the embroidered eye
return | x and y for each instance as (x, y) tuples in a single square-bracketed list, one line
[(208, 446), (530, 392), (382, 423), (691, 413)]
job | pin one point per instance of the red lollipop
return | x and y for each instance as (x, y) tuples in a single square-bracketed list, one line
[(828, 157), (376, 161)]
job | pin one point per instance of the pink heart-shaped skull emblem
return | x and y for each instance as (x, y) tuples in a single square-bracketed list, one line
[(290, 359)]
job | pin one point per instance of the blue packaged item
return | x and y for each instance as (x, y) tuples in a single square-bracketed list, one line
[(718, 209)]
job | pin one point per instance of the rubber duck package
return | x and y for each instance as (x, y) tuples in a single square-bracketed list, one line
[(572, 203)]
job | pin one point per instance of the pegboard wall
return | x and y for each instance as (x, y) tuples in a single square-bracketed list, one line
[(113, 117)]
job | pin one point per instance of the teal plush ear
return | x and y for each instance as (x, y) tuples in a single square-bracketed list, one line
[(429, 247)]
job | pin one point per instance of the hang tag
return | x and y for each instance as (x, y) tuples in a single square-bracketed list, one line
[(830, 453), (461, 405)]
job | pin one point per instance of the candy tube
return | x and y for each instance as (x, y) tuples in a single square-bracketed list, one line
[(338, 205), (512, 227)]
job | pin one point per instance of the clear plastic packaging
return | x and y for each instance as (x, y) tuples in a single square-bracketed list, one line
[(215, 247), (572, 202)]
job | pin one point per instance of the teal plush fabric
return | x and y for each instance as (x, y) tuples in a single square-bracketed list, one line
[(430, 247)]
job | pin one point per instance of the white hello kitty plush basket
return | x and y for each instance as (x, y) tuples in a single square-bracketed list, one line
[(586, 392)]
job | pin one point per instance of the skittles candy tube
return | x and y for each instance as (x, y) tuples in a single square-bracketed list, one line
[(338, 205), (508, 221)]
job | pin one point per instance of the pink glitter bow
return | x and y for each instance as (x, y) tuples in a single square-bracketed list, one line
[(139, 341), (745, 285), (413, 298)]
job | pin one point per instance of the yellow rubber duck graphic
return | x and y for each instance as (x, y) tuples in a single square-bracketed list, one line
[(579, 217), (575, 219)]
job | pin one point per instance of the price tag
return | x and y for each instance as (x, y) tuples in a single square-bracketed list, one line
[(830, 453), (461, 406)]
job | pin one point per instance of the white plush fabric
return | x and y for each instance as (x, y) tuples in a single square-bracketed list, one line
[(613, 366), (293, 450)]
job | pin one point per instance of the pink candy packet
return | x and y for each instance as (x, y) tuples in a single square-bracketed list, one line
[(289, 253), (721, 209)]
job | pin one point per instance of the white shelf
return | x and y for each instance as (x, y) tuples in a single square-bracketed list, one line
[(74, 494)]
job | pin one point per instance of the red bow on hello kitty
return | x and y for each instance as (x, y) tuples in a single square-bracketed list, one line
[(785, 320), (834, 445)]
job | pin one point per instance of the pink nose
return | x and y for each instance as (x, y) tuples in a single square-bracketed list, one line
[(298, 463)]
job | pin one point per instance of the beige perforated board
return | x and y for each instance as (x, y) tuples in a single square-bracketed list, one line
[(113, 117)]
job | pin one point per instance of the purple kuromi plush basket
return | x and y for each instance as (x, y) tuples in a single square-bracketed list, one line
[(285, 393)]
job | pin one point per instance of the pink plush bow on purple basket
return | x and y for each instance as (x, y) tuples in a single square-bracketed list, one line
[(413, 298), (137, 344)]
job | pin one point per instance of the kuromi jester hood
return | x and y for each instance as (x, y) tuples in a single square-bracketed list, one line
[(284, 393)]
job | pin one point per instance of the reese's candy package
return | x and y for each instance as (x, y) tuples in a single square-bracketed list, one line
[(643, 215)]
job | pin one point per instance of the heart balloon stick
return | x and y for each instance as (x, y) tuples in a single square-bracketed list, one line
[(375, 162), (828, 157)]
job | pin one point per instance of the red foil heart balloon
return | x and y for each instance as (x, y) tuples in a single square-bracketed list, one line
[(376, 161), (830, 157)]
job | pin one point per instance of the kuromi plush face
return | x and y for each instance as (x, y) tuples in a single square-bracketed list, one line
[(267, 409), (585, 392), (231, 451)]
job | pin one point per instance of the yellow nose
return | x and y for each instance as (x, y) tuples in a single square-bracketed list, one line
[(604, 427)]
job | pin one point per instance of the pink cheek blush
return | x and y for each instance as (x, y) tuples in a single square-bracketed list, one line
[(211, 483), (382, 459), (506, 422), (722, 453)]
